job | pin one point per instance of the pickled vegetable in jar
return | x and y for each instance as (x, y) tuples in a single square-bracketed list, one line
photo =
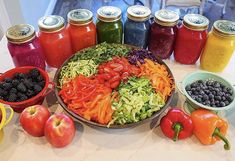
[(191, 38), (219, 47), (24, 46), (81, 29), (163, 33), (136, 27), (54, 39), (109, 25)]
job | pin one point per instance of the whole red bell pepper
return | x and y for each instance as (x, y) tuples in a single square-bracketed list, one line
[(176, 124)]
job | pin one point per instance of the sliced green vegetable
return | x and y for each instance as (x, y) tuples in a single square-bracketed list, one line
[(73, 69), (137, 101), (102, 52)]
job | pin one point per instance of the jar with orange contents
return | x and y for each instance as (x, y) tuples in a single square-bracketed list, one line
[(81, 29), (54, 39)]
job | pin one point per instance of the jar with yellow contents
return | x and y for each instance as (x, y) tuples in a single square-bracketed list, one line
[(219, 47)]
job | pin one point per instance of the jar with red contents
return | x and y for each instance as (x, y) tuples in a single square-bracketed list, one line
[(163, 33), (54, 39), (24, 46), (81, 29), (191, 38)]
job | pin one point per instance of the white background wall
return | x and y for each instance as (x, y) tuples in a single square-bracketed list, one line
[(14, 12)]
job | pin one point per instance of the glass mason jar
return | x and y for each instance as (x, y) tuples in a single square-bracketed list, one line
[(163, 33), (81, 29), (136, 27), (219, 47), (191, 38), (24, 46), (109, 25), (55, 40)]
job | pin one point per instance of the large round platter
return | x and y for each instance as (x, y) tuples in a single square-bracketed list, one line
[(92, 123)]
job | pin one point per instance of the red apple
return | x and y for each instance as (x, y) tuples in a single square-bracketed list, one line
[(33, 119), (59, 130)]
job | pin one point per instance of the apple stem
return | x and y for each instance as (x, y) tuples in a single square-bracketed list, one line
[(32, 111), (58, 123)]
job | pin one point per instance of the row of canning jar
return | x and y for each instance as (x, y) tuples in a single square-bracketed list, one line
[(162, 37)]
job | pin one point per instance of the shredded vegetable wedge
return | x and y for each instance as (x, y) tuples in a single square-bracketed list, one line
[(137, 100), (160, 79)]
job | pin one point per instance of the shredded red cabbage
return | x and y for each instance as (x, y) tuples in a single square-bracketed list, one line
[(139, 55)]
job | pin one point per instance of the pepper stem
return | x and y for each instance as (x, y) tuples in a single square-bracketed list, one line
[(222, 137), (177, 128)]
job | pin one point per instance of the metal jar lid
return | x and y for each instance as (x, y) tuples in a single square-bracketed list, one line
[(196, 22), (224, 28), (80, 17), (21, 33), (109, 13), (166, 17), (51, 23), (138, 13)]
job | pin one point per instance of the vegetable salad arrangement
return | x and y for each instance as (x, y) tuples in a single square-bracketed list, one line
[(114, 84)]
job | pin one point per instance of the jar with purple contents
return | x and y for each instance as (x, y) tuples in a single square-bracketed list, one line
[(24, 46), (163, 33), (136, 27)]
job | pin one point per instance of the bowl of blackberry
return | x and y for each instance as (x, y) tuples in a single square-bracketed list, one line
[(24, 86), (208, 90)]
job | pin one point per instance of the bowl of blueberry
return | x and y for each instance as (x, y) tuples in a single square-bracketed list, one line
[(207, 90), (24, 86)]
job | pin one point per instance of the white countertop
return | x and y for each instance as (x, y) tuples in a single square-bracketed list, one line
[(137, 144)]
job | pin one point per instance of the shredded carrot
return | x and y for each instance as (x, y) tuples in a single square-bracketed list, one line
[(160, 79)]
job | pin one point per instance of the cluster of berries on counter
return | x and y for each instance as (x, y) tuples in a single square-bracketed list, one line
[(210, 93), (22, 86)]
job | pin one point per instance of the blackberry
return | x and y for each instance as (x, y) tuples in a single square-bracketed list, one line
[(3, 92), (34, 73), (15, 82), (30, 93), (42, 84), (40, 78), (1, 85), (19, 76), (21, 87), (13, 90), (28, 84), (7, 86), (37, 88), (1, 97), (12, 97), (23, 97), (8, 80)]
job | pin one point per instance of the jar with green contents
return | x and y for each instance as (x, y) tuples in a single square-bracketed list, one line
[(220, 46), (109, 25)]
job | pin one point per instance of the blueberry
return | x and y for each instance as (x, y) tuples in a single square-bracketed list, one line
[(193, 89), (193, 97), (226, 103), (222, 104), (189, 93), (198, 99), (200, 96), (211, 96), (223, 98), (204, 103), (213, 92), (188, 88), (218, 98), (207, 103), (199, 81), (207, 91), (198, 89), (229, 98), (216, 84), (205, 97)]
